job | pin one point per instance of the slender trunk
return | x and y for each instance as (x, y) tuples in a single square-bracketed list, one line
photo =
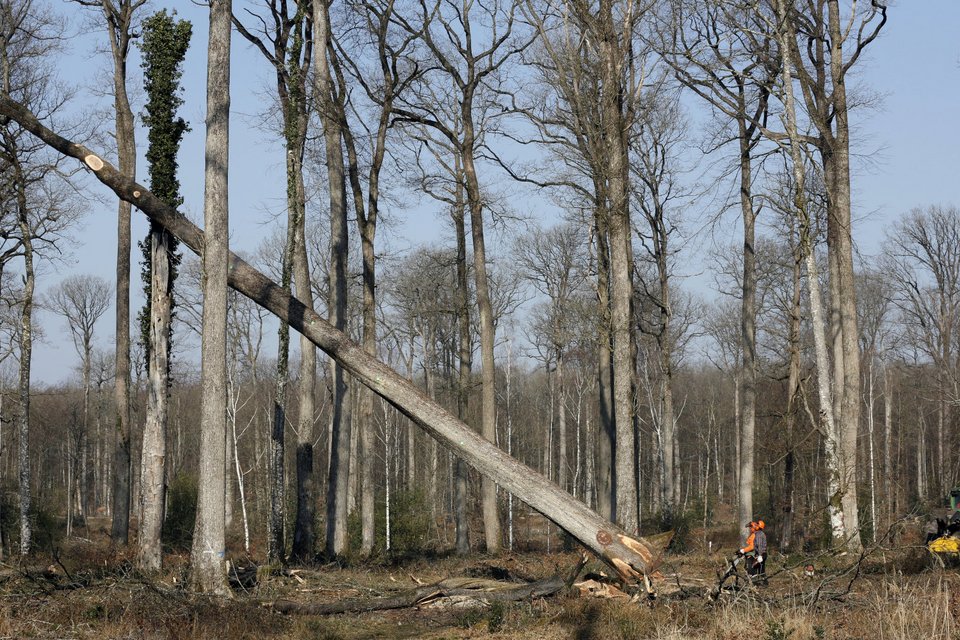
[(621, 289), (26, 356), (871, 403), (888, 485), (303, 534), (850, 426), (127, 157), (825, 386), (793, 393), (748, 336), (465, 357), (606, 443), (339, 469), (561, 426), (488, 390), (207, 556)]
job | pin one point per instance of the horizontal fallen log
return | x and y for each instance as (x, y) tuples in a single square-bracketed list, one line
[(632, 557), (503, 592)]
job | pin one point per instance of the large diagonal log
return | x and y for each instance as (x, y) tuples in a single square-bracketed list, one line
[(631, 557)]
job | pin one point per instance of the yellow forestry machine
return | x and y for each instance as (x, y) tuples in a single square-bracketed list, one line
[(943, 529)]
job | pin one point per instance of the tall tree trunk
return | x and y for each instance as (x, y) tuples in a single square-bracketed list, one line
[(561, 426), (825, 385), (465, 362), (488, 389), (793, 393), (26, 357), (127, 157), (339, 470), (748, 335), (606, 443), (840, 219), (889, 486), (207, 556), (154, 450)]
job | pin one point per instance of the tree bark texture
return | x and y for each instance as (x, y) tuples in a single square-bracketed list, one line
[(628, 555), (748, 336), (208, 571), (154, 451)]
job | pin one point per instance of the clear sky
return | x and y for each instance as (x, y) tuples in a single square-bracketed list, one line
[(910, 143)]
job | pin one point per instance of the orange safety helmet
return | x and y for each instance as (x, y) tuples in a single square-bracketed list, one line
[(760, 524)]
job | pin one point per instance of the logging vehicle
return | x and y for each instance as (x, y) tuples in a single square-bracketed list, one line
[(943, 529)]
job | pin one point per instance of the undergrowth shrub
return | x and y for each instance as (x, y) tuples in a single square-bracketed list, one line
[(409, 525), (177, 532)]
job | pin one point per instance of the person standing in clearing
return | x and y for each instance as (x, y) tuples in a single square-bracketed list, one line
[(755, 551)]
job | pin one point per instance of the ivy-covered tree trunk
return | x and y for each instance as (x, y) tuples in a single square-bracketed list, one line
[(165, 42)]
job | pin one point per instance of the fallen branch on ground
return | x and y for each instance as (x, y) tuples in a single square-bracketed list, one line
[(480, 589)]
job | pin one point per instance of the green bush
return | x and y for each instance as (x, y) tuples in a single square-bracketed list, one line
[(409, 525), (177, 533)]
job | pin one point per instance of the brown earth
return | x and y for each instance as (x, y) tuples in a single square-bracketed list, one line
[(90, 591)]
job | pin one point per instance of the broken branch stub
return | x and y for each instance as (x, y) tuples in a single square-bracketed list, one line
[(631, 557)]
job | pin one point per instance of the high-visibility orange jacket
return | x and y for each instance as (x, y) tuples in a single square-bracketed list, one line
[(749, 546)]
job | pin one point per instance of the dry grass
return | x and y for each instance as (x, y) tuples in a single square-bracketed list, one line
[(104, 598)]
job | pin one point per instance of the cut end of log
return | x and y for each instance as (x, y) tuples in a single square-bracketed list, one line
[(637, 548), (94, 162), (136, 194), (627, 572)]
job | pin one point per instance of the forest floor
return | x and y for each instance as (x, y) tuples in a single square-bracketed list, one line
[(88, 590)]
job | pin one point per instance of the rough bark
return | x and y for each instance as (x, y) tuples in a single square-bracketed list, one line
[(26, 356), (621, 290), (208, 571), (153, 459), (339, 469), (630, 556)]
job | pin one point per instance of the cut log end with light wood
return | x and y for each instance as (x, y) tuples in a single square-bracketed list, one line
[(632, 557)]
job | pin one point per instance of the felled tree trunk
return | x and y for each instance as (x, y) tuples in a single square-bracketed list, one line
[(631, 557)]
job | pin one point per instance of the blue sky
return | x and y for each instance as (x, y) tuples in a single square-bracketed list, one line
[(910, 142)]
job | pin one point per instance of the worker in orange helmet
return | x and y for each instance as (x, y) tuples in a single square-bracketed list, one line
[(755, 551)]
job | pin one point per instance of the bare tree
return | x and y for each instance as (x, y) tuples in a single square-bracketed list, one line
[(119, 17), (717, 51), (819, 31), (36, 210), (923, 252), (396, 72), (288, 47), (551, 259), (81, 300), (469, 59)]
